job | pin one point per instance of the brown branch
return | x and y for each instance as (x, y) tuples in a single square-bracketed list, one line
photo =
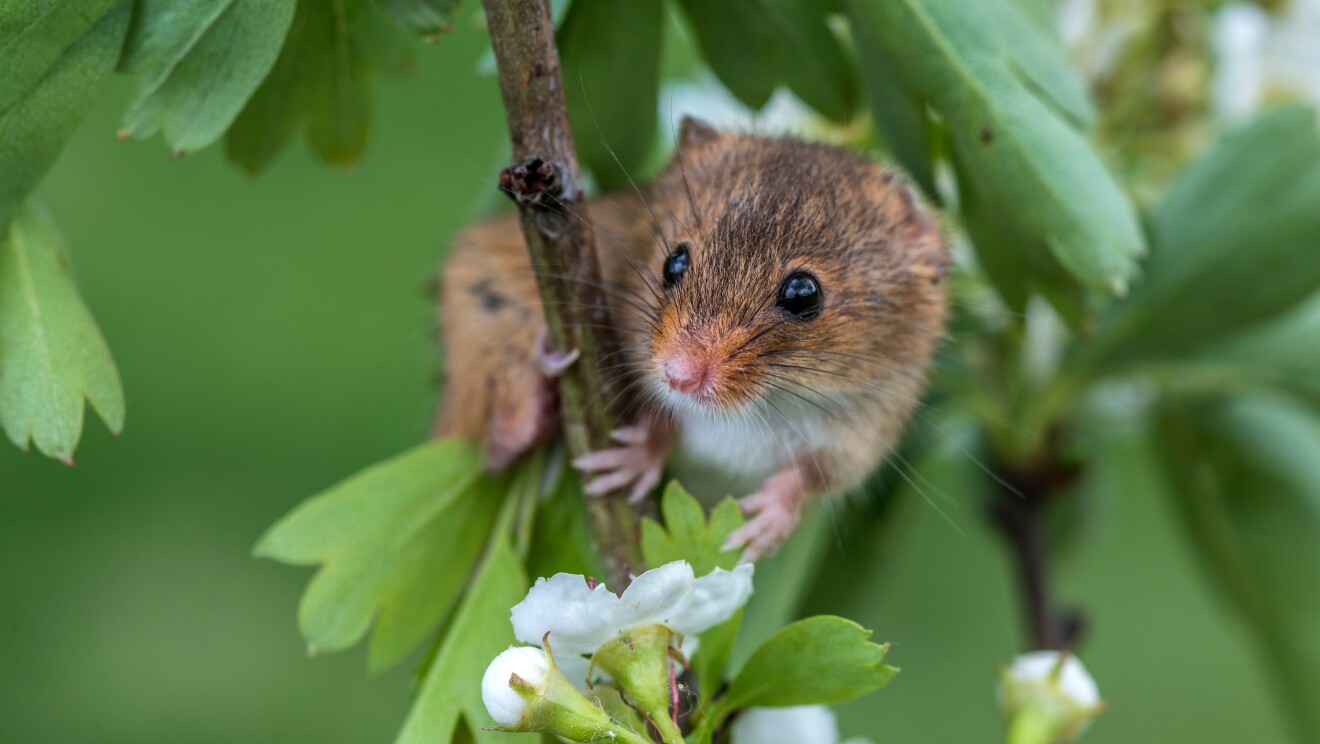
[(547, 185)]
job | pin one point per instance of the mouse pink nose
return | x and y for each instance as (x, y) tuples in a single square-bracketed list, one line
[(685, 374)]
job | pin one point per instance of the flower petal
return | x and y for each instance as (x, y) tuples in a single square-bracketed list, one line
[(714, 599), (654, 596), (575, 615), (505, 704), (795, 725)]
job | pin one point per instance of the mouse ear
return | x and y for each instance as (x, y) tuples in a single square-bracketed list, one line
[(694, 132)]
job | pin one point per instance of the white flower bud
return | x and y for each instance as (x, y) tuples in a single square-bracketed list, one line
[(506, 704), (1074, 682)]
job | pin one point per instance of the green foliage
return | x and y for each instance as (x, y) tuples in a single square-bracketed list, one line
[(1236, 243), (612, 104), (1245, 475), (1043, 212), (56, 57), (451, 690), (197, 64), (321, 82), (688, 536), (426, 18), (52, 355), (755, 45), (396, 543)]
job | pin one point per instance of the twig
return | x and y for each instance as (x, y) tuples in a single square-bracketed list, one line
[(1019, 514), (547, 185)]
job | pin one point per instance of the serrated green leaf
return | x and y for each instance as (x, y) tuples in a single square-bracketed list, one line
[(610, 52), (480, 631), (426, 18), (755, 45), (197, 64), (1245, 477), (1236, 243), (52, 355), (321, 83), (1031, 183), (821, 660), (35, 33), (688, 536), (49, 92), (395, 542)]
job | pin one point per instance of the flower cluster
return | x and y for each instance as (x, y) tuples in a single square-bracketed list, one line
[(585, 635)]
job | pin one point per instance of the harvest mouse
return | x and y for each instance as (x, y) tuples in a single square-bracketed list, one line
[(779, 303)]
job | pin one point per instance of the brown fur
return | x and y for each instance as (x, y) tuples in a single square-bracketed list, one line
[(752, 210)]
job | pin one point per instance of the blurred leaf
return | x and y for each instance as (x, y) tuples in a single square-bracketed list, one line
[(1246, 477), (197, 64), (396, 543), (688, 536), (321, 82), (1042, 209), (755, 45), (561, 535), (35, 33), (1236, 243), (1285, 353), (610, 53), (480, 631), (426, 18), (822, 660), (49, 82), (52, 355)]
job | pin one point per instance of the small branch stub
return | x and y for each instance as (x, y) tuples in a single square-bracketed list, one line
[(545, 182)]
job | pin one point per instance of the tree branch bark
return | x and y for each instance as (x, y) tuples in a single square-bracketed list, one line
[(546, 183)]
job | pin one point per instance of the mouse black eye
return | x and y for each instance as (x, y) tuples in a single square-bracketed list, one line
[(676, 265), (800, 296)]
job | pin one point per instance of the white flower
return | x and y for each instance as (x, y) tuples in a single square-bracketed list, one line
[(806, 723), (1074, 681), (580, 618), (505, 704), (1260, 56)]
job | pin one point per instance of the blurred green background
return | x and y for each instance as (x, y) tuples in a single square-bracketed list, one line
[(274, 337)]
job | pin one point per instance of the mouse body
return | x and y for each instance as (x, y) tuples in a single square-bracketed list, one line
[(779, 304)]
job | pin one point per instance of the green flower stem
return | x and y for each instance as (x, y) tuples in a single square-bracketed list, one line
[(1031, 725), (639, 662)]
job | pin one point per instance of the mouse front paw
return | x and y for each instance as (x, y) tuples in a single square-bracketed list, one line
[(637, 463), (772, 512)]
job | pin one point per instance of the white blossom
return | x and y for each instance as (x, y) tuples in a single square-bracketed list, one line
[(580, 618), (803, 724), (1075, 683), (1261, 56), (505, 704)]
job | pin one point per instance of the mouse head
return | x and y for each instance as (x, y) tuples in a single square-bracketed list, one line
[(787, 270)]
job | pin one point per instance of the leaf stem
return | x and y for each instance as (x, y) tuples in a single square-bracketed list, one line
[(546, 183)]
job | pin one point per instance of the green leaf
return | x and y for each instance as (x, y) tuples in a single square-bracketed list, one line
[(479, 632), (688, 536), (1236, 243), (321, 82), (610, 53), (1283, 354), (54, 82), (197, 64), (561, 533), (34, 34), (754, 45), (822, 660), (1042, 210), (426, 18), (52, 355), (396, 543), (1246, 480)]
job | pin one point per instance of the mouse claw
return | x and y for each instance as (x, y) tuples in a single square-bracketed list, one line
[(551, 361), (637, 465), (773, 512)]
